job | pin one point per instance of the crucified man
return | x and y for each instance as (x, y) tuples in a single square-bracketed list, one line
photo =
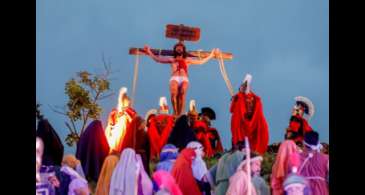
[(179, 81)]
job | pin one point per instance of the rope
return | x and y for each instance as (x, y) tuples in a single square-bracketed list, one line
[(310, 155), (248, 166), (135, 76), (224, 74)]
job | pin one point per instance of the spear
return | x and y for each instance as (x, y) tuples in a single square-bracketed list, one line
[(248, 167)]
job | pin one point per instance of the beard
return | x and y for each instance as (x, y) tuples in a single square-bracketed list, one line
[(179, 53)]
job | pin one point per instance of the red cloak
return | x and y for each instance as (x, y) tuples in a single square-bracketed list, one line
[(183, 173), (256, 128), (137, 139), (114, 135), (215, 140), (158, 133), (206, 136)]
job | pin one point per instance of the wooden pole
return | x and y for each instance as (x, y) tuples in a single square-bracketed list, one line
[(248, 166)]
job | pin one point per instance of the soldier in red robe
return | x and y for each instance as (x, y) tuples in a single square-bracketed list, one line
[(206, 135), (159, 126), (119, 119), (248, 118), (298, 125)]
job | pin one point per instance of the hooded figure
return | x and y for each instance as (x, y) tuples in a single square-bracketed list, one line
[(181, 134), (159, 128), (78, 184), (39, 154), (129, 176), (239, 182), (118, 121), (92, 149), (296, 185), (168, 157), (199, 166), (136, 138), (53, 148), (71, 161), (103, 185), (314, 164), (183, 173), (225, 168), (282, 165), (200, 169), (165, 181), (248, 118), (42, 179)]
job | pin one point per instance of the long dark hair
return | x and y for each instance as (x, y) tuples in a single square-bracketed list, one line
[(184, 50), (181, 134)]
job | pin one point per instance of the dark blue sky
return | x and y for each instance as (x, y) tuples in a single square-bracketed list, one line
[(282, 43)]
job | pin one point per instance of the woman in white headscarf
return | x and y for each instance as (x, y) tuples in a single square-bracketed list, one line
[(78, 185), (199, 167), (129, 176)]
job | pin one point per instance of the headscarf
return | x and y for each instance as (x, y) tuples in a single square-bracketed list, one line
[(168, 156), (281, 167), (71, 161), (183, 174), (71, 172), (254, 157), (294, 179), (199, 167), (39, 153), (77, 181), (103, 185), (92, 149), (227, 165), (181, 134), (164, 180), (238, 184), (145, 186), (53, 148), (127, 175)]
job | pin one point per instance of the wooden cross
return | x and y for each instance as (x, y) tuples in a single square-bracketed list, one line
[(182, 33)]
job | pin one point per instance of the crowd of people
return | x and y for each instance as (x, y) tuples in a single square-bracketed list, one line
[(165, 154)]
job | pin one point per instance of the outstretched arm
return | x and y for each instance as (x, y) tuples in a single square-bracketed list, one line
[(158, 59), (206, 59)]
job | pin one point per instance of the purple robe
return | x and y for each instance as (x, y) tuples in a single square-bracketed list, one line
[(45, 189), (315, 171), (92, 149)]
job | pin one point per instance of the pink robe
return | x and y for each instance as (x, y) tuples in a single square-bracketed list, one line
[(315, 170), (282, 166), (238, 184)]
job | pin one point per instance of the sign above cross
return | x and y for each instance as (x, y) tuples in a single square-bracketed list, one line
[(181, 33)]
